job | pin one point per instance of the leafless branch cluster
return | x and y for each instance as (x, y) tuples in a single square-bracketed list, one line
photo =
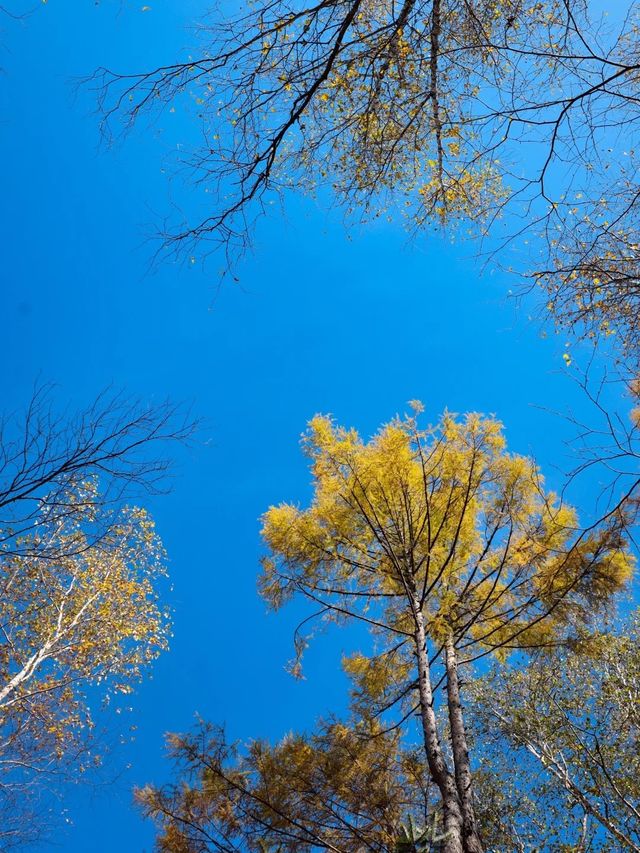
[(45, 453)]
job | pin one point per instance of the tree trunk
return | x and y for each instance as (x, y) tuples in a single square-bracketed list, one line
[(462, 768), (453, 822)]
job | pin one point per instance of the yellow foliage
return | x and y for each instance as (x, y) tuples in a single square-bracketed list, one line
[(80, 608), (443, 519)]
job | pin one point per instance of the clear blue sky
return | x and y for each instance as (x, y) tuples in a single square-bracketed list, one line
[(319, 323)]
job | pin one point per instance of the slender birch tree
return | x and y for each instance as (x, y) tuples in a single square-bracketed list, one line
[(558, 746), (80, 572)]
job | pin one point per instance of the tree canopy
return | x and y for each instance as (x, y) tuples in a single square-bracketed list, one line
[(492, 658), (560, 746), (517, 120), (448, 548), (81, 620)]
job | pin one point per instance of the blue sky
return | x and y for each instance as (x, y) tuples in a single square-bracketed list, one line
[(318, 323)]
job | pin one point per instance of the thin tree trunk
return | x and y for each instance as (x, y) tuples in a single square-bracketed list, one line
[(462, 767), (453, 822)]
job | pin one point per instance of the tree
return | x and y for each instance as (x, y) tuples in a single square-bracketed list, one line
[(450, 111), (344, 787), (80, 617), (560, 745), (449, 549)]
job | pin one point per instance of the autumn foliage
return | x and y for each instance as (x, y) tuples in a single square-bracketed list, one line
[(449, 549)]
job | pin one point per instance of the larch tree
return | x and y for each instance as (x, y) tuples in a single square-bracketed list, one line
[(449, 549), (448, 111), (344, 787), (80, 614)]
